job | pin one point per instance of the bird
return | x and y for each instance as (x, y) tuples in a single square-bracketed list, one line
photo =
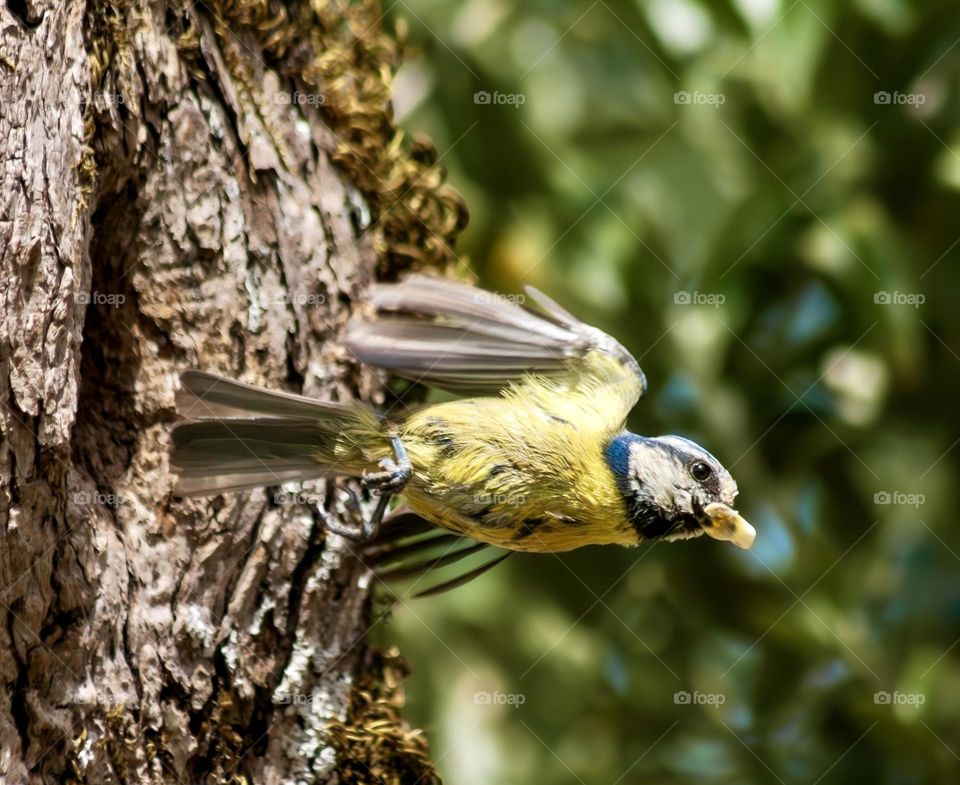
[(532, 454)]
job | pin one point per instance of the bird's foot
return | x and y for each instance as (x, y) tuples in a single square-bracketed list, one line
[(396, 471)]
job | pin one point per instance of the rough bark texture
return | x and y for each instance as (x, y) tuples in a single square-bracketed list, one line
[(188, 185)]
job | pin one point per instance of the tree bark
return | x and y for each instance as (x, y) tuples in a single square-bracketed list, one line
[(206, 185)]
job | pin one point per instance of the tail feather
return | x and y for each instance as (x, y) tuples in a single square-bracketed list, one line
[(237, 436), (212, 484), (204, 395)]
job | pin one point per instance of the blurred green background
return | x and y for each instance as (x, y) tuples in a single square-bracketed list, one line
[(759, 198)]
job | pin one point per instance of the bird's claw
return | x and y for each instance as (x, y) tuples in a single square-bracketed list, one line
[(394, 475), (349, 504), (391, 480), (396, 471)]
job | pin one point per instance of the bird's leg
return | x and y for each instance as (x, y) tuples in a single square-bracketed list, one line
[(396, 472), (352, 505)]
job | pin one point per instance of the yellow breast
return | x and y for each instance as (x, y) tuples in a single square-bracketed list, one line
[(525, 471)]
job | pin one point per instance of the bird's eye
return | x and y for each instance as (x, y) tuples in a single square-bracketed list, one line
[(700, 471)]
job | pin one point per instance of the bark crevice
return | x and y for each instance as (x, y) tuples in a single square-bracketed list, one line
[(161, 209)]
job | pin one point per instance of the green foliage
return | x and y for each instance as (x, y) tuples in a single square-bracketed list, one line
[(740, 156)]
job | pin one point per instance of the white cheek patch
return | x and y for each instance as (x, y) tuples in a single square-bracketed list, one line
[(656, 474)]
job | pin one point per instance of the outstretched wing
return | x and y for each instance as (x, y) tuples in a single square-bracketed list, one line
[(470, 341)]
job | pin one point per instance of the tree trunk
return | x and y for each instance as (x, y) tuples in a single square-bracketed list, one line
[(182, 185)]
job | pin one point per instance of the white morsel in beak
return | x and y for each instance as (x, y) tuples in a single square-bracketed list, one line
[(725, 523)]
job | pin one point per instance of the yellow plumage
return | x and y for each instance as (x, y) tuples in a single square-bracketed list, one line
[(524, 470)]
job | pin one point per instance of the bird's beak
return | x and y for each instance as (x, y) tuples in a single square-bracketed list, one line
[(724, 523)]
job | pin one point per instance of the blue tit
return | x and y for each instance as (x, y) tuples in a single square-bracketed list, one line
[(534, 457)]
